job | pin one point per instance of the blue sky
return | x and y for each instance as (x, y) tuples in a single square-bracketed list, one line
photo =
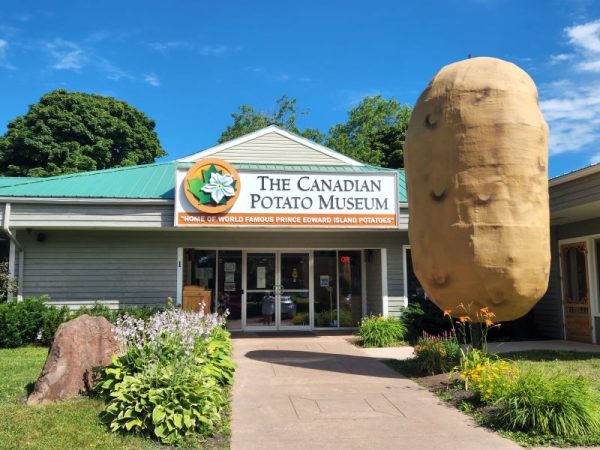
[(189, 64)]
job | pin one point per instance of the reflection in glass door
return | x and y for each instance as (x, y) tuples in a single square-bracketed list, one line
[(294, 290), (260, 294), (278, 290)]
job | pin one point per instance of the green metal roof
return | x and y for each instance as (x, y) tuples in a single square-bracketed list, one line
[(150, 181), (11, 181)]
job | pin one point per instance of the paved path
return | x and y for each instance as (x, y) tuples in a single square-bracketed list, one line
[(320, 392)]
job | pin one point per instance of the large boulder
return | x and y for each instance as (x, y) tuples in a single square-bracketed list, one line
[(79, 346)]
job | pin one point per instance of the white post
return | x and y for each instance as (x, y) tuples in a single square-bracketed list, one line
[(179, 276), (384, 282)]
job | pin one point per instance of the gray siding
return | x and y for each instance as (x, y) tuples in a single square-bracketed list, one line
[(374, 294), (139, 267), (577, 229), (395, 274), (548, 312), (575, 192), (276, 149), (151, 216), (85, 215)]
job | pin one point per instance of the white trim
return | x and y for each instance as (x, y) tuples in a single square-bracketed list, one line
[(574, 175), (363, 282), (405, 274), (20, 275), (384, 283), (179, 276), (88, 200), (263, 131), (11, 264)]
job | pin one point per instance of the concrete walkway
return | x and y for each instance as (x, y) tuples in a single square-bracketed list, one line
[(321, 392)]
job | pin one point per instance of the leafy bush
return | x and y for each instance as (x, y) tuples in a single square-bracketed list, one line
[(490, 378), (437, 354), (558, 404), (53, 318), (169, 382), (380, 331), (97, 310), (21, 322), (300, 319), (323, 318), (423, 316)]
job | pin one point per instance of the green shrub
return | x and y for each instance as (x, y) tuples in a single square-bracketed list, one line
[(170, 381), (21, 322), (168, 406), (437, 354), (97, 310), (53, 318), (381, 331), (300, 319), (324, 318), (423, 316), (557, 403)]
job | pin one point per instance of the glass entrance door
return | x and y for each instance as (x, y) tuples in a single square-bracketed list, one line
[(294, 295), (278, 290), (261, 290)]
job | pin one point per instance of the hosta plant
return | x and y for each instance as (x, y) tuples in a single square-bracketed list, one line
[(170, 380), (381, 331)]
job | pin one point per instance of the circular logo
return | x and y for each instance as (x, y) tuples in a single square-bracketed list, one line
[(212, 185)]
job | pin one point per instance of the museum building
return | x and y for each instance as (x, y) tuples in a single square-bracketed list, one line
[(282, 232)]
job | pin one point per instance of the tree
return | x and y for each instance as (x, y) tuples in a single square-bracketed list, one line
[(247, 120), (374, 132), (68, 132)]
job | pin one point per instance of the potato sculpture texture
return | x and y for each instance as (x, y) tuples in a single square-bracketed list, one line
[(476, 158)]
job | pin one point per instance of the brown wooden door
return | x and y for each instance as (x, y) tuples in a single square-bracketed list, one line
[(576, 291)]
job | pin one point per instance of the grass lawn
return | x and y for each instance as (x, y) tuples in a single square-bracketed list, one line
[(579, 363), (68, 425)]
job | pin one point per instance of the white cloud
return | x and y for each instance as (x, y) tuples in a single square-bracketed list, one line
[(561, 57), (586, 40), (595, 159), (4, 55), (152, 80), (212, 50), (573, 114), (571, 105), (67, 55), (204, 50), (163, 47)]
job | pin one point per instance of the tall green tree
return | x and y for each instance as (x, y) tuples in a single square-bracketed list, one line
[(374, 132), (68, 132), (247, 119)]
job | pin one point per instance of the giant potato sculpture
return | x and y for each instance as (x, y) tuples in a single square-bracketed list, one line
[(476, 169)]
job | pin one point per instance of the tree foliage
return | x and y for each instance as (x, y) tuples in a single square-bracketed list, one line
[(247, 119), (68, 132), (374, 132)]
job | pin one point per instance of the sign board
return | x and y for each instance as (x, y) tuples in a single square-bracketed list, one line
[(214, 194)]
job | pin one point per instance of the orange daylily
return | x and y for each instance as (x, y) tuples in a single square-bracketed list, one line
[(464, 319), (447, 312)]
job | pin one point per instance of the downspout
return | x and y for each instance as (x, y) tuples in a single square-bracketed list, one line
[(13, 239)]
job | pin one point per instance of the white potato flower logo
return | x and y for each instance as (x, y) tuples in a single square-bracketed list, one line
[(219, 186)]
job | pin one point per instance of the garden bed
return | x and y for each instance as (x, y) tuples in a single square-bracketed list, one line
[(181, 358), (451, 390)]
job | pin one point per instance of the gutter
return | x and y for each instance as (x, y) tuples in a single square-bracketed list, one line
[(14, 244)]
